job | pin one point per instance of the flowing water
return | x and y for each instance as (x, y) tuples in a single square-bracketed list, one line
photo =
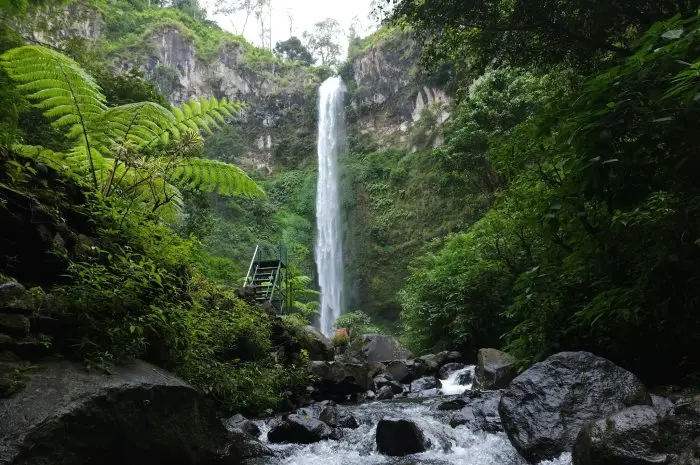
[(448, 446), (451, 386), (329, 256)]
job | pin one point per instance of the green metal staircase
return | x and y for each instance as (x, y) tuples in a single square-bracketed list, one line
[(267, 276)]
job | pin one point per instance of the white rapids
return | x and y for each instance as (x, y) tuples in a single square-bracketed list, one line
[(448, 446), (451, 386)]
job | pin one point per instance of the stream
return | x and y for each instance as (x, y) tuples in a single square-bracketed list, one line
[(448, 445)]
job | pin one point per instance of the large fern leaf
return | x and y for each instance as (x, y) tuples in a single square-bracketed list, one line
[(134, 124), (215, 176), (58, 85), (203, 114)]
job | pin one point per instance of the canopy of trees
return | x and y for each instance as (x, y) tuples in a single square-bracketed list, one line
[(324, 41), (293, 49), (593, 234)]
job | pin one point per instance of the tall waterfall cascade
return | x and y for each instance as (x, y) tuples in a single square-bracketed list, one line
[(329, 250)]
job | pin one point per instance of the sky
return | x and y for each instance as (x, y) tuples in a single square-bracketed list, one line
[(304, 13)]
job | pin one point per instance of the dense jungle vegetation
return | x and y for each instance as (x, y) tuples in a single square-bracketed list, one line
[(113, 204), (566, 188), (555, 209)]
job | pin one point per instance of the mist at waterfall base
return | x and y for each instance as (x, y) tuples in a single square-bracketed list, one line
[(448, 446), (328, 253)]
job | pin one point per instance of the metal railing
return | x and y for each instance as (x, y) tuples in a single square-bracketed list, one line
[(249, 277), (280, 282)]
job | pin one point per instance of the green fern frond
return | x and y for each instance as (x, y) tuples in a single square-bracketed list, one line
[(203, 114), (55, 160), (215, 176), (59, 86), (134, 124), (55, 82)]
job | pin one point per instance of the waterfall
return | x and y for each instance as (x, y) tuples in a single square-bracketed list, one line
[(329, 256)]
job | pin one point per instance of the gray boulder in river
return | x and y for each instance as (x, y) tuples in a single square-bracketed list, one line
[(639, 435), (335, 380), (480, 412), (299, 430), (317, 344), (375, 348), (545, 407), (399, 437), (140, 414), (494, 369), (446, 370), (433, 362)]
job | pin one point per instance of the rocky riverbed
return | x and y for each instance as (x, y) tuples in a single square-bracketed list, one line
[(574, 408)]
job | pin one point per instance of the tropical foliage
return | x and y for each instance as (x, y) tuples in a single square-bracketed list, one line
[(141, 151), (116, 169), (591, 240)]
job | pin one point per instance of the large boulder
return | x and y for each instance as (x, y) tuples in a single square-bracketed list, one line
[(433, 362), (481, 413), (465, 378), (375, 348), (240, 423), (14, 297), (405, 371), (637, 435), (140, 414), (317, 344), (398, 437), (424, 384), (298, 429), (332, 416), (494, 369), (545, 407), (336, 380)]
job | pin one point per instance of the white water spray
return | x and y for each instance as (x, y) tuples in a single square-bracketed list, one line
[(329, 256)]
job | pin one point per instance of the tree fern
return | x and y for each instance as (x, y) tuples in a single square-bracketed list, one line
[(58, 85), (139, 150), (203, 114), (215, 176)]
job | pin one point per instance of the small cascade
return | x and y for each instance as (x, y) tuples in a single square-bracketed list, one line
[(329, 256), (452, 385)]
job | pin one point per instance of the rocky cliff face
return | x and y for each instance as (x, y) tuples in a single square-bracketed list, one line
[(280, 96), (391, 101)]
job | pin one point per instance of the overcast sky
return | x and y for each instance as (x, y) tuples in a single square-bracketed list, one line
[(304, 14)]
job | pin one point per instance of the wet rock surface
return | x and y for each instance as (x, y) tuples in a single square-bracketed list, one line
[(399, 437), (240, 423), (494, 369), (405, 371), (545, 407), (423, 384), (139, 414), (480, 412), (332, 416), (638, 435), (299, 430), (336, 380), (375, 348), (317, 344)]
